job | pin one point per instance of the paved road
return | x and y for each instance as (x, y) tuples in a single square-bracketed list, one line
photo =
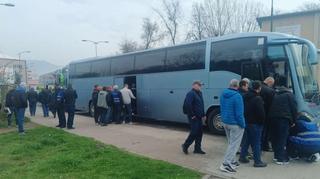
[(163, 143)]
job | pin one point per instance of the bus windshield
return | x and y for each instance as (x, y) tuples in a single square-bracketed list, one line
[(308, 84)]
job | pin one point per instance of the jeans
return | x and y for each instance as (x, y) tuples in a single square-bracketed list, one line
[(45, 110), (116, 113), (103, 115), (253, 138), (9, 116), (20, 118), (61, 116), (32, 108), (128, 113), (109, 115), (70, 110), (280, 136), (195, 134), (234, 135), (96, 114)]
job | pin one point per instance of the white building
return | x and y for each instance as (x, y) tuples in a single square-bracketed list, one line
[(11, 69)]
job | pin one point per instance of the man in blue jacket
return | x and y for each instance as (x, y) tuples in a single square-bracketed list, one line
[(193, 107), (232, 114)]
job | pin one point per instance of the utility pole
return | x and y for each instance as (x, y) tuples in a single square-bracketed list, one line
[(271, 17)]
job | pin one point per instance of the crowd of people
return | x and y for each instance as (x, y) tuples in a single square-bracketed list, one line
[(248, 110), (58, 100), (110, 103)]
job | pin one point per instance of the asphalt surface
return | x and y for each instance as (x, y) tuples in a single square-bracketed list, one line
[(163, 142)]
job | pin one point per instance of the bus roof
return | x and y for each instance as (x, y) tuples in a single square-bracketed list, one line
[(269, 35)]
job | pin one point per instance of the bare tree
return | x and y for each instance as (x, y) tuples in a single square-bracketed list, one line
[(127, 46), (244, 16), (309, 6), (170, 16), (197, 31), (150, 33), (219, 17)]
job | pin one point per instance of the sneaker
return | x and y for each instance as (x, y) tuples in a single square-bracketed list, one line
[(227, 168), (235, 165), (184, 149), (199, 152), (259, 165), (244, 160), (295, 158), (275, 160), (278, 162)]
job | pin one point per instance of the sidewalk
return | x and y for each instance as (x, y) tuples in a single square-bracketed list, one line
[(161, 143)]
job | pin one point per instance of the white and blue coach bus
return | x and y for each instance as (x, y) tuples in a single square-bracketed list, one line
[(160, 78)]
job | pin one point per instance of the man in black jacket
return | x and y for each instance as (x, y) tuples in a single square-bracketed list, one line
[(20, 102), (193, 107), (267, 93), (94, 100), (10, 105), (70, 101), (32, 99), (44, 97), (255, 117), (283, 113)]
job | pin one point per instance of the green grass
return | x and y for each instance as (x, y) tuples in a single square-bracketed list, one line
[(51, 153), (4, 121)]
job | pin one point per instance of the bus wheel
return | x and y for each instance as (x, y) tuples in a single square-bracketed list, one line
[(91, 109), (215, 122)]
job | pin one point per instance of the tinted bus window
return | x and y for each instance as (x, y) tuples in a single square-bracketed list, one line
[(150, 62), (186, 57), (122, 65), (72, 71), (83, 70), (100, 68), (230, 54)]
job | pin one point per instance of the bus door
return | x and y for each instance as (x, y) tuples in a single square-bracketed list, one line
[(118, 81), (132, 82), (251, 70)]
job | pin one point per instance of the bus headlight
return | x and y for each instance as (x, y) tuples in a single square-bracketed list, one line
[(305, 117)]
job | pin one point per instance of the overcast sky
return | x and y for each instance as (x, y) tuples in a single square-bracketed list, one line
[(53, 29)]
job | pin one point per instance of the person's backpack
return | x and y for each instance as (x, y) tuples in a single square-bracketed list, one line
[(20, 100), (116, 97)]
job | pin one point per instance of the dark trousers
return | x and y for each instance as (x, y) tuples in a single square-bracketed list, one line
[(266, 135), (103, 115), (11, 115), (128, 113), (61, 116), (70, 110), (20, 118), (280, 134), (32, 108), (116, 113), (195, 134), (96, 114), (45, 109), (253, 139)]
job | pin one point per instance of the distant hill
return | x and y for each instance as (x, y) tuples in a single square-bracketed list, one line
[(41, 67)]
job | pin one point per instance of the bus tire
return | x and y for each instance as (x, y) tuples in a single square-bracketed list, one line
[(91, 109), (214, 122)]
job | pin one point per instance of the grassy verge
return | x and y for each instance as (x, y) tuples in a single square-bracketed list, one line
[(51, 153), (4, 122)]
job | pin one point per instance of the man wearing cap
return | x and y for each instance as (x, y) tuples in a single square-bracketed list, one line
[(193, 107)]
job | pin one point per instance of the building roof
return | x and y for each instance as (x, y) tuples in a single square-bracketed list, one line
[(285, 15), (4, 56)]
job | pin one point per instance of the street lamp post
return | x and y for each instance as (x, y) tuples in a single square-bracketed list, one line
[(20, 67), (95, 43), (7, 4), (271, 17)]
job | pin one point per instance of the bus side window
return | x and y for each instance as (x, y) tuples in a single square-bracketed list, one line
[(229, 55)]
